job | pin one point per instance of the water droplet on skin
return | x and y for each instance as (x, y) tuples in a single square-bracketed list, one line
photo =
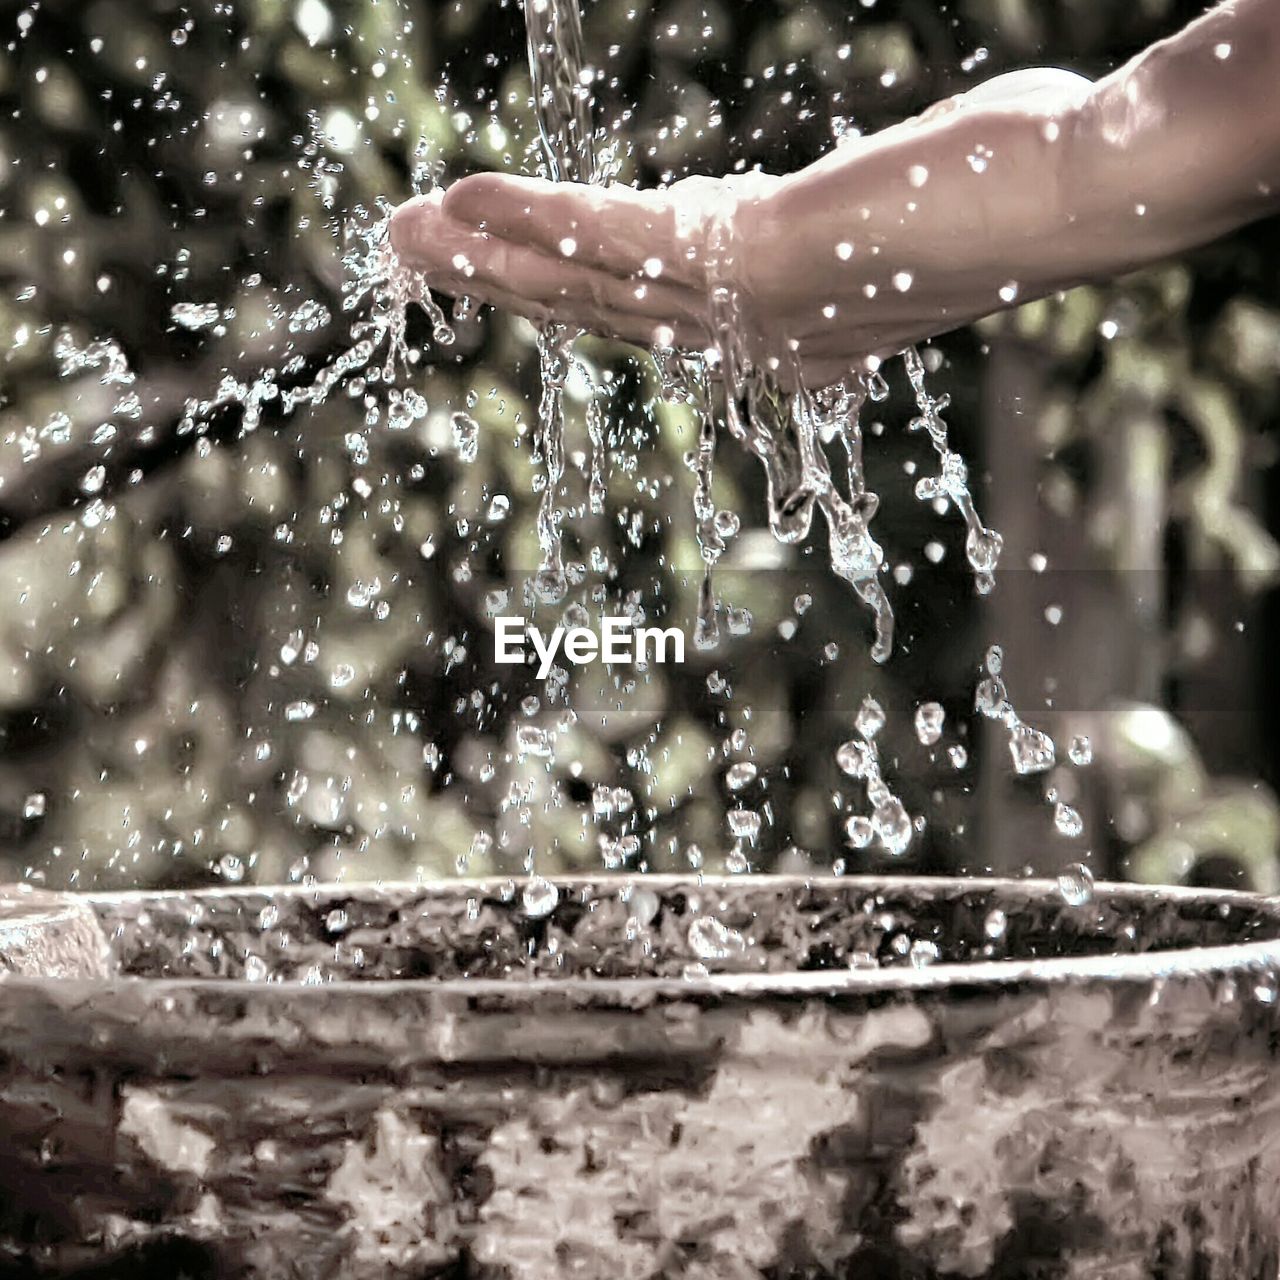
[(930, 718), (917, 175), (844, 251), (1080, 752), (923, 953), (1075, 885), (540, 898), (903, 280), (739, 775), (995, 925), (34, 805)]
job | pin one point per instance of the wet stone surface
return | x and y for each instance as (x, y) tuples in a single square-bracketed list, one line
[(512, 1097), (651, 927)]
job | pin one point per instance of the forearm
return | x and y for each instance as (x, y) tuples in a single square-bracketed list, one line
[(948, 217), (1031, 183), (1180, 145)]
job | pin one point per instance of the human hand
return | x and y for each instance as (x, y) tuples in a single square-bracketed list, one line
[(889, 240), (614, 260)]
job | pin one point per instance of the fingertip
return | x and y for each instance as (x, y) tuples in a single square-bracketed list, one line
[(483, 197), (408, 221)]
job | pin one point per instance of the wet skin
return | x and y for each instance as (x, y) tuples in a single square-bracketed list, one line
[(1028, 184)]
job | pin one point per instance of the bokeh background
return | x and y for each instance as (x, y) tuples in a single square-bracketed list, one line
[(260, 650)]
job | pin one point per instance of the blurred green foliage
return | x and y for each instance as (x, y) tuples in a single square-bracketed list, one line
[(265, 653)]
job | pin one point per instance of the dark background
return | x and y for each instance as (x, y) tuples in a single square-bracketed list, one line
[(157, 154)]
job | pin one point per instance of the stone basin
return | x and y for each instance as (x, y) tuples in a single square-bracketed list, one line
[(745, 1079)]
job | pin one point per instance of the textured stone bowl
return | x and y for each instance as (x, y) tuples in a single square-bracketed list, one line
[(729, 1080)]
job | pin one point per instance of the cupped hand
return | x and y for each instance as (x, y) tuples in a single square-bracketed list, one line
[(612, 260), (888, 240)]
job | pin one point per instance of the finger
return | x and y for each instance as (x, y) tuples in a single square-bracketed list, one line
[(453, 254), (616, 229), (592, 318), (457, 259)]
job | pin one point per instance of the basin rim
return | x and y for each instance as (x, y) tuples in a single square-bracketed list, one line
[(1144, 967)]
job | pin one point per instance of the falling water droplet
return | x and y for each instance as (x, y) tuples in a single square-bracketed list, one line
[(540, 898), (859, 831), (870, 718), (1032, 750), (892, 824), (1075, 885), (930, 717), (466, 436), (744, 824), (1067, 820)]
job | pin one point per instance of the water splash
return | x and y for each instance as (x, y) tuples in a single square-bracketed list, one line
[(860, 758), (562, 104), (982, 546)]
